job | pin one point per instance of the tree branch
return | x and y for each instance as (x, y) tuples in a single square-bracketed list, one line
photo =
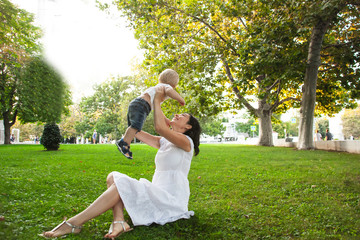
[(14, 118), (339, 45), (243, 23), (284, 100), (272, 85), (277, 96), (236, 90), (206, 24), (260, 78), (267, 91)]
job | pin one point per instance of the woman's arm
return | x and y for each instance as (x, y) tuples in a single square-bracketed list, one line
[(178, 139), (151, 140)]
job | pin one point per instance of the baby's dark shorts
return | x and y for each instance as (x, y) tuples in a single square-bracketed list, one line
[(138, 110)]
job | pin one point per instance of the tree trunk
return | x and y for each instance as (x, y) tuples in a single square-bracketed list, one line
[(8, 124), (6, 128), (309, 88), (265, 128)]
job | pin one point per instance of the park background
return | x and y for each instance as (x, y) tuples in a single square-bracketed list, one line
[(260, 192), (69, 31)]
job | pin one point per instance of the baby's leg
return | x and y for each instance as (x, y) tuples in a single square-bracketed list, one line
[(129, 135)]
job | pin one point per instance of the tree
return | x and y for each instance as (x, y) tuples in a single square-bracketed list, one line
[(18, 41), (290, 128), (212, 126), (233, 53), (322, 124), (351, 123), (68, 122), (106, 109), (28, 131), (51, 137), (340, 51), (245, 127), (38, 95), (42, 94)]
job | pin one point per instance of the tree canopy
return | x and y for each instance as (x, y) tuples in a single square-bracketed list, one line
[(30, 88), (42, 94), (106, 109), (253, 54)]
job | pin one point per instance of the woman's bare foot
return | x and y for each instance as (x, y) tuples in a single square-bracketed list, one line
[(118, 228), (63, 228)]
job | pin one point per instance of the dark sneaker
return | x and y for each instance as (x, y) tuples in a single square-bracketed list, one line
[(124, 148)]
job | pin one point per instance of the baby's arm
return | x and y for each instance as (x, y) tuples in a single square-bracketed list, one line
[(170, 92)]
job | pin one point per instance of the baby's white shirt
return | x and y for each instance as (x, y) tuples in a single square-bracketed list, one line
[(152, 90)]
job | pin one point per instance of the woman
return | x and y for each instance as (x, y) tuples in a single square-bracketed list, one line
[(163, 200)]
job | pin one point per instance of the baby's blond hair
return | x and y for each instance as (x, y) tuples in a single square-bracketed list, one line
[(169, 76)]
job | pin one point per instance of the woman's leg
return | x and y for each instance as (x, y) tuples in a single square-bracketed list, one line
[(104, 202), (118, 211)]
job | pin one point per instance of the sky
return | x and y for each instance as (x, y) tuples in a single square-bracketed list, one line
[(83, 43)]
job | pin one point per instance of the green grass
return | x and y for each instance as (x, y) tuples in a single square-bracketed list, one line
[(237, 192)]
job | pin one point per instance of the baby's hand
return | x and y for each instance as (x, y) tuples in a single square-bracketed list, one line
[(167, 121), (182, 102)]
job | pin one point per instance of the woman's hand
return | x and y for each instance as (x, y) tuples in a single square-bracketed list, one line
[(160, 94)]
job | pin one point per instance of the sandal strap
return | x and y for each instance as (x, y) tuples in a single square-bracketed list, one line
[(73, 227), (122, 224)]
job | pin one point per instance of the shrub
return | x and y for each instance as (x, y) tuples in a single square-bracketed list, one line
[(51, 137)]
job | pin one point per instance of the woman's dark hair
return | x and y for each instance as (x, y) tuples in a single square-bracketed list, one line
[(194, 132)]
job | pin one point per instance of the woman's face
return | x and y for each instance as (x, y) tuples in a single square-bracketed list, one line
[(180, 122)]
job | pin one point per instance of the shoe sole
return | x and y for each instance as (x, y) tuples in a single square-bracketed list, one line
[(120, 150)]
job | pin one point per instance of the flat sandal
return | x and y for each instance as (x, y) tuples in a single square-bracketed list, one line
[(73, 227), (122, 224)]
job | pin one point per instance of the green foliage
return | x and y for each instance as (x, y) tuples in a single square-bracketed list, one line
[(232, 53), (28, 130), (212, 126), (322, 124), (291, 128), (106, 109), (19, 41), (251, 192), (43, 95), (246, 127), (51, 137), (264, 45), (19, 37), (351, 123), (199, 43)]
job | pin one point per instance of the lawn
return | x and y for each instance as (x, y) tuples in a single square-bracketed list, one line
[(237, 192)]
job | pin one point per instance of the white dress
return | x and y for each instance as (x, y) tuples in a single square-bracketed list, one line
[(166, 198)]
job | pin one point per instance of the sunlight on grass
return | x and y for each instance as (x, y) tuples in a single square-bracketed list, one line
[(237, 192)]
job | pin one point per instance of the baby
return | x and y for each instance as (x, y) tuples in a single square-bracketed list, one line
[(140, 108)]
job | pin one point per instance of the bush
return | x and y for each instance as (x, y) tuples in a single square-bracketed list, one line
[(51, 137)]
